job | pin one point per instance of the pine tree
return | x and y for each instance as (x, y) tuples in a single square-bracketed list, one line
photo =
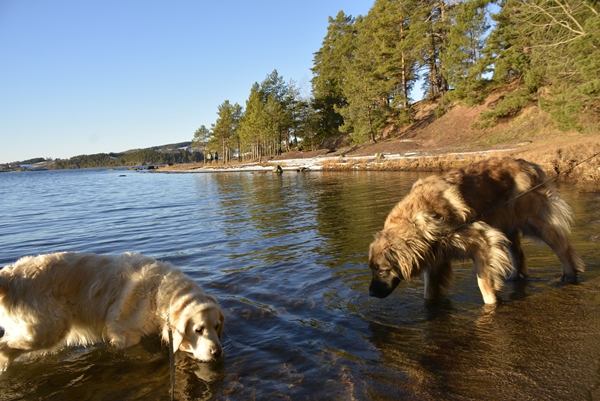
[(396, 47), (367, 98), (200, 140), (551, 47), (565, 42), (252, 124), (505, 46), (225, 129), (463, 54), (328, 73), (431, 22), (382, 70), (269, 118)]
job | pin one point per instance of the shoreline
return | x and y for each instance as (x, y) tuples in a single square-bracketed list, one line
[(317, 163), (558, 162)]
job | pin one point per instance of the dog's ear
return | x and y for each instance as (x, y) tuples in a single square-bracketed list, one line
[(221, 315), (383, 248), (177, 340), (176, 331), (390, 254), (222, 325), (400, 255), (177, 337), (3, 287)]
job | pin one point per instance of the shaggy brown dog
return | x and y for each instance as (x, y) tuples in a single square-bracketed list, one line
[(49, 301), (479, 213)]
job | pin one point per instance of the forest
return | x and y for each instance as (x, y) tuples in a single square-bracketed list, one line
[(370, 69), (134, 158)]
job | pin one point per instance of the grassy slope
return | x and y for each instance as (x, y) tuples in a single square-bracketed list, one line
[(531, 135)]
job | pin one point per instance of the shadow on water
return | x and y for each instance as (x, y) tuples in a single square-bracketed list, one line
[(286, 257)]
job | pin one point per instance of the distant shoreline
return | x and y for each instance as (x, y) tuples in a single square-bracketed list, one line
[(554, 162)]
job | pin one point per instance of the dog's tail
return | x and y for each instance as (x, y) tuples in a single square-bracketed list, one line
[(560, 214), (554, 208), (557, 216)]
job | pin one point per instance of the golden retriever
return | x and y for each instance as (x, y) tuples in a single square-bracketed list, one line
[(68, 298), (478, 212)]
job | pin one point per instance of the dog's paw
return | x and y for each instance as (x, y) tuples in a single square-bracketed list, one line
[(516, 277), (569, 279), (4, 363)]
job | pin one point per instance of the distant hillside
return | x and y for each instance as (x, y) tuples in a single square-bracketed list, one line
[(171, 148), (174, 153)]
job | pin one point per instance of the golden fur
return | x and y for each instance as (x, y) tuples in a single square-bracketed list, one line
[(478, 212), (50, 301)]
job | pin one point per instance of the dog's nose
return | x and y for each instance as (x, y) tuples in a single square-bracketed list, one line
[(216, 351)]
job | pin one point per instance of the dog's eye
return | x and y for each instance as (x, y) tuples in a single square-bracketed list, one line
[(200, 330)]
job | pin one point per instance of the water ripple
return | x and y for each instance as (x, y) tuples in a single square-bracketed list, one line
[(286, 257)]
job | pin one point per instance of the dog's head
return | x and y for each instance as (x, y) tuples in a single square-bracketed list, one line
[(197, 329), (390, 262)]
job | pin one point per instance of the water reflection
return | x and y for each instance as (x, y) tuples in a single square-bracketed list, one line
[(286, 257)]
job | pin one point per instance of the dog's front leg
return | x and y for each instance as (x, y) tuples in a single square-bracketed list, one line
[(8, 353), (487, 291), (430, 291), (484, 279), (438, 279)]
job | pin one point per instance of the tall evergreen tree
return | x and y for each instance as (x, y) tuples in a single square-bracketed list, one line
[(380, 75), (200, 140), (396, 47), (225, 129), (268, 121), (504, 48), (462, 59), (252, 124), (328, 73), (279, 102), (367, 99), (431, 21)]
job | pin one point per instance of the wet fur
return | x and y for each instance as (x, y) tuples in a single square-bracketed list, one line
[(50, 301), (460, 215)]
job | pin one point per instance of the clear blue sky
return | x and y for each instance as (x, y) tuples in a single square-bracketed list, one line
[(83, 77)]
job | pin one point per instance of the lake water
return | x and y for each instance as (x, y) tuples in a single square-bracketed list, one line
[(286, 256)]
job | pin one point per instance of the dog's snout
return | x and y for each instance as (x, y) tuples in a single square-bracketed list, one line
[(380, 289), (216, 351)]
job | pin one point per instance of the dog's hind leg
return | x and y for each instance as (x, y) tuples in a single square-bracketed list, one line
[(29, 339), (556, 239), (551, 223), (517, 257), (44, 330)]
